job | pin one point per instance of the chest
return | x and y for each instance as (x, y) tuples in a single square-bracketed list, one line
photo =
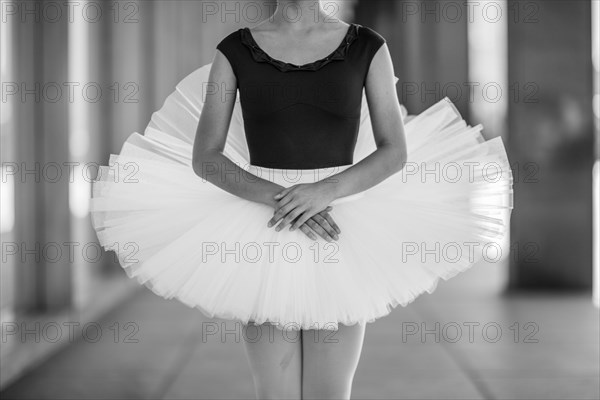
[(336, 88)]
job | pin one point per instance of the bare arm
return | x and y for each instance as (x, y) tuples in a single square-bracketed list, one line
[(208, 159), (388, 129), (301, 201)]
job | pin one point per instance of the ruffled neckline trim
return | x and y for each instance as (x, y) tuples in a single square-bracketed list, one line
[(261, 56)]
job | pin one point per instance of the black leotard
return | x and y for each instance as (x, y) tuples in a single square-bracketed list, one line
[(307, 116)]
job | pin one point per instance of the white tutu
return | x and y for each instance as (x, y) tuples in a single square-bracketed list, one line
[(187, 239)]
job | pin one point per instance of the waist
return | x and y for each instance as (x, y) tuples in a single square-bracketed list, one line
[(291, 177), (288, 177), (300, 142)]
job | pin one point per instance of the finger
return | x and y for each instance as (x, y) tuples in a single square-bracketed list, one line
[(325, 225), (301, 220), (289, 218), (331, 222), (308, 232), (320, 231), (284, 201), (283, 211)]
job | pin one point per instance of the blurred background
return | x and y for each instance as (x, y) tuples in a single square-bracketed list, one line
[(79, 77)]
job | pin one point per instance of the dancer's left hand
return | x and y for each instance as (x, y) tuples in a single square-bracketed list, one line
[(300, 201)]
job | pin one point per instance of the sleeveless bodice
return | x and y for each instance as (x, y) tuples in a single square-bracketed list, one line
[(301, 116)]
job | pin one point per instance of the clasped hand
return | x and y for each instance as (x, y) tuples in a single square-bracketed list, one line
[(306, 207)]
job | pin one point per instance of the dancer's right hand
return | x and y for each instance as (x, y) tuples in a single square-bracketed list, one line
[(323, 224)]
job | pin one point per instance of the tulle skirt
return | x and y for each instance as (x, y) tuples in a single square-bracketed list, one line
[(186, 239)]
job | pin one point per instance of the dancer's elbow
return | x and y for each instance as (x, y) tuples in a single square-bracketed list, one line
[(399, 157), (203, 163)]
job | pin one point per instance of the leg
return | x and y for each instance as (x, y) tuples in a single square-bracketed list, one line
[(329, 361), (275, 358)]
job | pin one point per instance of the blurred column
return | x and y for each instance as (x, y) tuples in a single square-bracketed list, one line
[(53, 135), (126, 64), (41, 185), (428, 43), (488, 65), (168, 49), (596, 171), (25, 109), (551, 141), (9, 168)]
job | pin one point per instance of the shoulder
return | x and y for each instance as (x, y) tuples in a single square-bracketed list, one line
[(370, 35), (368, 43), (231, 47), (231, 39)]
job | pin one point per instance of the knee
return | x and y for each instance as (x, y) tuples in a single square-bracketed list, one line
[(277, 387), (326, 391), (276, 392)]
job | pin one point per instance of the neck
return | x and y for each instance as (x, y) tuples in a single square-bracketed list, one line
[(300, 14)]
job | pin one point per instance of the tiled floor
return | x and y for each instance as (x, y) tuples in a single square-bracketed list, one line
[(526, 346)]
